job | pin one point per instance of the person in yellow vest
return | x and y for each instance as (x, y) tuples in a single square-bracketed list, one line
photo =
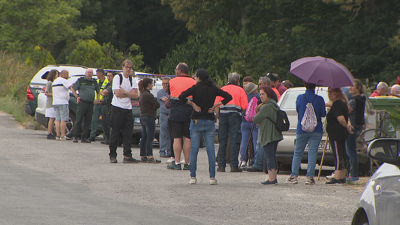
[(97, 108)]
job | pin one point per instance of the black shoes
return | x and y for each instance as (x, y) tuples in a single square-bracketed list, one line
[(113, 160), (75, 140), (105, 142), (334, 181), (186, 167), (174, 166), (235, 169), (130, 160), (85, 140), (153, 160), (221, 169), (251, 169), (164, 155), (267, 182), (51, 136), (93, 139)]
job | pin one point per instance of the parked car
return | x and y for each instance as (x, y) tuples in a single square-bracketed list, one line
[(284, 154), (380, 200), (75, 75)]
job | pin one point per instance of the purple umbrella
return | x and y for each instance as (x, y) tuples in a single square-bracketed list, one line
[(322, 71)]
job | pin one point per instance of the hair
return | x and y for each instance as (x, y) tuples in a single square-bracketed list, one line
[(381, 85), (287, 84), (204, 77), (268, 90), (52, 74), (265, 80), (184, 68), (342, 96), (396, 88), (233, 78), (111, 72), (143, 84), (359, 85), (127, 61), (101, 71), (166, 78), (309, 86), (248, 79)]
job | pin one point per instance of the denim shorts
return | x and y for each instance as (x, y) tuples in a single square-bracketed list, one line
[(62, 112)]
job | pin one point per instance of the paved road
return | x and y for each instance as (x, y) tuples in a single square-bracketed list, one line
[(48, 182)]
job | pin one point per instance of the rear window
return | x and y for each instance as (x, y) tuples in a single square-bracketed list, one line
[(289, 101)]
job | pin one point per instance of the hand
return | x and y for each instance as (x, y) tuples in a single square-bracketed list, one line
[(96, 102), (164, 99), (259, 107), (122, 90), (78, 99), (350, 129), (195, 107)]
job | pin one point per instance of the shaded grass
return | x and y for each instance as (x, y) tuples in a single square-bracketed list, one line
[(15, 76)]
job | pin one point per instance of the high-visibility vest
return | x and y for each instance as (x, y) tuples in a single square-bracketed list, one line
[(101, 88)]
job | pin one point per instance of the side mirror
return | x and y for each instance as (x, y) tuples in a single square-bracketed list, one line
[(385, 150)]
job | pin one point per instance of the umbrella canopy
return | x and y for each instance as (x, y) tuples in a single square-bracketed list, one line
[(322, 71)]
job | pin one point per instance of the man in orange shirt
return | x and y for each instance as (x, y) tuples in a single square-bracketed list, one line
[(230, 119)]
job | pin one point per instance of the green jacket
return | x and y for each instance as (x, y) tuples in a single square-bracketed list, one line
[(267, 130)]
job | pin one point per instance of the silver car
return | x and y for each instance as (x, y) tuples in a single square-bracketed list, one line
[(380, 200), (284, 154)]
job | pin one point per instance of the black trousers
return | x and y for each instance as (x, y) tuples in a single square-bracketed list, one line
[(83, 119), (121, 121), (106, 121)]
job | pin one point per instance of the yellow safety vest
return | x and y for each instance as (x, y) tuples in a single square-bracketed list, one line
[(101, 88)]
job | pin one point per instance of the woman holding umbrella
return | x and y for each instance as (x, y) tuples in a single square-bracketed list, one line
[(338, 130)]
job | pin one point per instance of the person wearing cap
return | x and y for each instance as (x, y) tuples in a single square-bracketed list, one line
[(248, 128), (98, 106), (276, 82)]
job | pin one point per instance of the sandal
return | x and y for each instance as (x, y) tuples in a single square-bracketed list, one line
[(144, 159), (153, 160)]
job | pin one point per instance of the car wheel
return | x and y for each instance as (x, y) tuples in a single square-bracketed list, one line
[(69, 127), (360, 218)]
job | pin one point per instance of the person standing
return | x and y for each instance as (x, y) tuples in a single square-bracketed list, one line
[(303, 137), (230, 118), (102, 81), (121, 113), (107, 94), (270, 136), (148, 114), (50, 113), (203, 120), (338, 130), (356, 115), (381, 89), (88, 88), (276, 83), (180, 116), (61, 103), (165, 139)]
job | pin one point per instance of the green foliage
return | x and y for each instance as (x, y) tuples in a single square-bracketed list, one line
[(39, 57), (92, 54)]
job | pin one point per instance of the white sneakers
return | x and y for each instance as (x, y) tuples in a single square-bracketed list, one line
[(193, 180), (170, 160)]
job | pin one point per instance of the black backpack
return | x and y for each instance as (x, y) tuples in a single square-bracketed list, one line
[(120, 79), (282, 121)]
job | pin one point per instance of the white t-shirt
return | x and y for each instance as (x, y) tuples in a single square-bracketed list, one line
[(124, 103), (61, 91)]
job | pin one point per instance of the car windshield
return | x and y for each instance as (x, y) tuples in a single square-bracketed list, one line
[(291, 96)]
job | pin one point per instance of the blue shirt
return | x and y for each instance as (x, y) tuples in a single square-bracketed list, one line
[(161, 94), (319, 107)]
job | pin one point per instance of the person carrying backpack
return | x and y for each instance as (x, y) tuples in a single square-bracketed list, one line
[(310, 108)]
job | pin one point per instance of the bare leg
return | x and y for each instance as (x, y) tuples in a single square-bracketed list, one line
[(178, 149), (50, 125), (272, 174), (340, 174), (186, 149), (63, 126), (58, 128)]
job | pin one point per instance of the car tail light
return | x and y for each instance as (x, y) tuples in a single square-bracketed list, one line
[(29, 94), (135, 102), (43, 89)]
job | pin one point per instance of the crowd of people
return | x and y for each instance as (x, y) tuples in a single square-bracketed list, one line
[(189, 108)]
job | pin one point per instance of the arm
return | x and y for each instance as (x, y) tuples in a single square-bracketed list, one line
[(78, 99), (217, 112), (97, 89), (104, 92), (343, 122), (227, 98), (121, 93)]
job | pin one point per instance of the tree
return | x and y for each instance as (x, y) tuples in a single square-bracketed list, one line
[(27, 24)]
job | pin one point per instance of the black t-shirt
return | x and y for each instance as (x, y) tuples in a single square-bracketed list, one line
[(335, 130)]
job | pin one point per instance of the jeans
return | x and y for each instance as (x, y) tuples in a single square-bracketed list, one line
[(313, 139), (95, 119), (148, 132), (246, 128), (121, 121), (229, 123), (259, 159), (208, 128), (165, 138), (270, 155), (351, 149)]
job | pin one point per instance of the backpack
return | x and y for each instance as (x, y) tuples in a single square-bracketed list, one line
[(309, 121), (120, 79), (251, 110), (282, 121)]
